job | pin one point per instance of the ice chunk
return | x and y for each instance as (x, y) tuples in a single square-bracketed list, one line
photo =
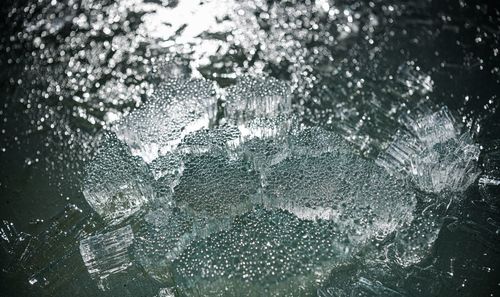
[(411, 244), (323, 179), (312, 174), (203, 141), (257, 190), (117, 184), (216, 186), (259, 107), (169, 166), (176, 108), (107, 253), (216, 182), (433, 153), (266, 253), (264, 152), (489, 186), (167, 171)]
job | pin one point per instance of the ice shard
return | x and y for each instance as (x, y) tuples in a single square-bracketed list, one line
[(14, 245), (434, 153), (50, 251), (489, 181), (107, 253)]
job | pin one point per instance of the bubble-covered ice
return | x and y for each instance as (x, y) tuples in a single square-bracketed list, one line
[(176, 108), (323, 178), (256, 203)]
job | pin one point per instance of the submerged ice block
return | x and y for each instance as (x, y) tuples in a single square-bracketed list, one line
[(323, 179), (215, 186), (319, 205), (253, 97), (161, 238)]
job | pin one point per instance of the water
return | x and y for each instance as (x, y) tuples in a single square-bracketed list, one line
[(76, 73)]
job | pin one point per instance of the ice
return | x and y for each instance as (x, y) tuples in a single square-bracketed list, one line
[(176, 108), (161, 238), (434, 153), (14, 245), (365, 287), (215, 139), (259, 107), (116, 183), (323, 179), (215, 186), (412, 244), (255, 204), (48, 254), (107, 253), (314, 178), (166, 292), (489, 186)]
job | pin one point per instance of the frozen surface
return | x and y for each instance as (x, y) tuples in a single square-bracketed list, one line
[(434, 153)]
